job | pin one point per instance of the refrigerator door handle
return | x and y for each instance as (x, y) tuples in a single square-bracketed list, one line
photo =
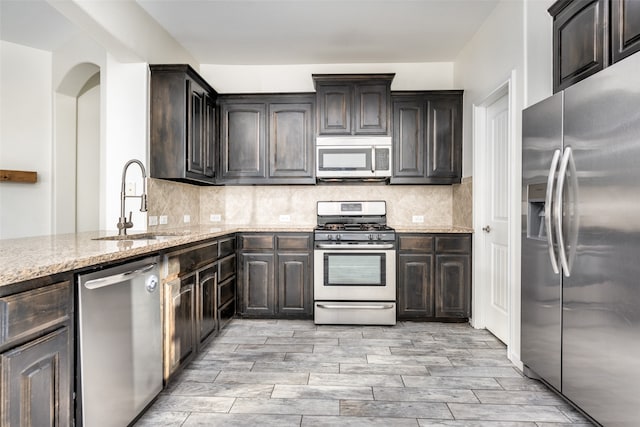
[(557, 209), (547, 210)]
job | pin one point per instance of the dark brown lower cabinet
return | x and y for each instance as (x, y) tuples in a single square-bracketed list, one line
[(181, 320), (274, 275), (434, 276), (207, 289), (415, 295), (36, 382), (294, 290), (452, 285), (36, 353), (258, 285)]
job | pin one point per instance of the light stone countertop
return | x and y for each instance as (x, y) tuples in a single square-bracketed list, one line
[(33, 257)]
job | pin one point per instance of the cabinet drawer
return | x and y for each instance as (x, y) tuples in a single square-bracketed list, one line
[(192, 258), (293, 242), (226, 247), (415, 243), (226, 291), (28, 312), (226, 268), (256, 241), (453, 244)]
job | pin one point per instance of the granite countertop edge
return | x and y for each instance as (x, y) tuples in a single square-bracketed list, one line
[(35, 257)]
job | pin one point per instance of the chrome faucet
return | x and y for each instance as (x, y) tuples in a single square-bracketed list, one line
[(123, 223)]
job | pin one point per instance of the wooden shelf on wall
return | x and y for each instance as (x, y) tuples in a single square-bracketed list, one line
[(18, 176)]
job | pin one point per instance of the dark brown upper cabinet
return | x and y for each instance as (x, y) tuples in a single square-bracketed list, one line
[(353, 104), (427, 137), (625, 28), (267, 139), (183, 125), (580, 40), (590, 35)]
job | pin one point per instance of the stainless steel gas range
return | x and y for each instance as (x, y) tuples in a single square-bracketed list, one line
[(354, 264)]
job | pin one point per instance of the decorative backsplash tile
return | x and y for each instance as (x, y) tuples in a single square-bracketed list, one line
[(439, 205), (462, 206), (175, 200), (272, 205)]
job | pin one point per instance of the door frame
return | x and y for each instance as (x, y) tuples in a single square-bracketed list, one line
[(481, 203)]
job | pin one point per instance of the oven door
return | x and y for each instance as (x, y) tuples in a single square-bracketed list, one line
[(354, 275)]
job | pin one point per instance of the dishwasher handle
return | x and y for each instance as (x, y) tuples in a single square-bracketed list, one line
[(118, 278)]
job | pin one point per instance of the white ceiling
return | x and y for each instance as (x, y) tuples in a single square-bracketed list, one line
[(283, 31)]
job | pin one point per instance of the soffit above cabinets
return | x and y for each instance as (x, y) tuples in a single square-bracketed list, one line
[(321, 31)]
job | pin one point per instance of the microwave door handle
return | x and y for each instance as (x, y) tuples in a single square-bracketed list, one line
[(373, 159)]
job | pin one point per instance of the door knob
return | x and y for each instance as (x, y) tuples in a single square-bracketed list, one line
[(487, 229)]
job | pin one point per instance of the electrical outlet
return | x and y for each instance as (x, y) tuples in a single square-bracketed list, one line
[(285, 218), (130, 189), (163, 219), (186, 219), (417, 219), (153, 220), (215, 217)]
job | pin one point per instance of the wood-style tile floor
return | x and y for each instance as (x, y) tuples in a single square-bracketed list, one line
[(294, 373)]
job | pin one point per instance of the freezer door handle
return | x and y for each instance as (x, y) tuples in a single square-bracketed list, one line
[(547, 210), (566, 163)]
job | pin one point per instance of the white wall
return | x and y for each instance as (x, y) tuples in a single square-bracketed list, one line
[(25, 137), (125, 120), (514, 42), (88, 160), (297, 78)]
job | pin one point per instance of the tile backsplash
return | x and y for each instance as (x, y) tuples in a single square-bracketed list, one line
[(439, 205), (273, 205), (462, 203)]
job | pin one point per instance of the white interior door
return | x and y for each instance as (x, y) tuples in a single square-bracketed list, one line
[(496, 225)]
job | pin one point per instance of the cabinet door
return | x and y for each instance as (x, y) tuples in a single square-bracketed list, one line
[(334, 109), (409, 144), (415, 286), (181, 321), (625, 28), (207, 290), (453, 285), (36, 382), (258, 284), (195, 136), (580, 41), (243, 141), (291, 141), (444, 141), (209, 134), (371, 109), (294, 285)]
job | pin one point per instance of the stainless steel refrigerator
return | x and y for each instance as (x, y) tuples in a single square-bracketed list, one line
[(581, 243)]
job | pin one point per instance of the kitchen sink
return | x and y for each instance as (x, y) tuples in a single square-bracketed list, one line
[(141, 236)]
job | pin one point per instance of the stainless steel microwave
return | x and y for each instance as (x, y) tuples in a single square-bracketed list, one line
[(353, 157)]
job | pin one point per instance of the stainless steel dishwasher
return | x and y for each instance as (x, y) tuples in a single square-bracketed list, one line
[(120, 342)]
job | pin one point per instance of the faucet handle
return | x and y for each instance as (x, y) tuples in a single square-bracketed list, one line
[(130, 213)]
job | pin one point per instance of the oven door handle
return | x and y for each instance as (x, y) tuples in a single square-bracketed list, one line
[(366, 307), (339, 246)]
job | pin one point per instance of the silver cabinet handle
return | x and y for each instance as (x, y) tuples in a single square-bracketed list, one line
[(367, 307), (547, 210), (487, 229), (557, 210)]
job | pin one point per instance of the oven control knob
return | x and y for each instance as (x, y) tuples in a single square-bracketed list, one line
[(329, 237), (338, 236), (379, 236), (372, 237)]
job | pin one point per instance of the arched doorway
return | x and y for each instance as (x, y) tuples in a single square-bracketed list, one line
[(76, 153)]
